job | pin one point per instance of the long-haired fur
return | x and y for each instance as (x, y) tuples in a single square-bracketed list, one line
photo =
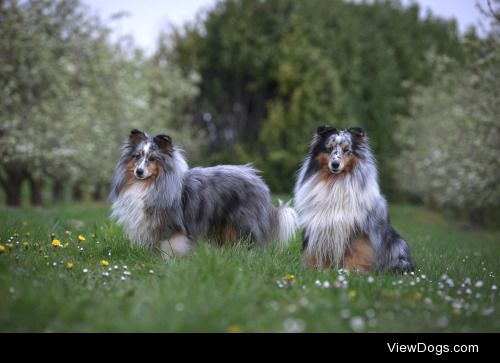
[(343, 215), (164, 204)]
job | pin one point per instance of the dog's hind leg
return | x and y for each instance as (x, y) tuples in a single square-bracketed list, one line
[(392, 252), (395, 256), (177, 245), (360, 255)]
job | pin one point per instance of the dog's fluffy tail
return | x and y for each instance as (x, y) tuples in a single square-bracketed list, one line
[(286, 223)]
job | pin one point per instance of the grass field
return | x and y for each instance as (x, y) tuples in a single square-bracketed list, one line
[(103, 284)]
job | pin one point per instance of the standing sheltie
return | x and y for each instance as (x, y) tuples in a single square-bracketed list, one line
[(344, 217), (164, 204)]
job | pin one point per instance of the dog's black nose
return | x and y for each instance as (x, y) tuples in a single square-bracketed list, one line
[(139, 171), (335, 164)]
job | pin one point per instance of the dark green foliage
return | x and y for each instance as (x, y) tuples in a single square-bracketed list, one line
[(272, 71)]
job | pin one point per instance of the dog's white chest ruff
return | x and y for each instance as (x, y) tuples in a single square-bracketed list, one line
[(331, 213), (129, 211)]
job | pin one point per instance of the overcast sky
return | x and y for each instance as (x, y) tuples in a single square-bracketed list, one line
[(147, 17)]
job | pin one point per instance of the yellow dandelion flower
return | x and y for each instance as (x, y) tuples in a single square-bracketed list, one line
[(2, 249), (69, 266), (66, 245), (104, 263), (289, 277), (352, 293), (25, 244), (46, 257), (234, 329), (416, 296), (27, 234), (56, 243), (10, 245), (81, 238)]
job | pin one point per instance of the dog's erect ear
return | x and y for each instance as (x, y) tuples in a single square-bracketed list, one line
[(357, 133), (164, 142), (325, 130), (136, 136)]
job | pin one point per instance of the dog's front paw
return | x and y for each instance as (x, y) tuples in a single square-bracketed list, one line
[(404, 264)]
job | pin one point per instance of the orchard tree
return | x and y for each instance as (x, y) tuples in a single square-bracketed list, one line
[(451, 137), (272, 71), (69, 96)]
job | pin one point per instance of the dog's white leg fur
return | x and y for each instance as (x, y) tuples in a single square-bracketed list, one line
[(177, 245)]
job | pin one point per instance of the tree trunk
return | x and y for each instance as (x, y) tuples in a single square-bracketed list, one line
[(477, 217), (97, 194), (58, 191), (12, 188), (36, 197), (77, 194), (13, 192)]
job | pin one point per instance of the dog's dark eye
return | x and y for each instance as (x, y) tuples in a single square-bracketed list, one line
[(137, 156), (151, 158)]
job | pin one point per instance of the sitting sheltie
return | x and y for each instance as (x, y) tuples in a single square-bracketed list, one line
[(344, 217), (163, 204)]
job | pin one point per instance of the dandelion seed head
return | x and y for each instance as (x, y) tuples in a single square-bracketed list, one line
[(345, 313), (357, 323), (488, 311), (291, 325)]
